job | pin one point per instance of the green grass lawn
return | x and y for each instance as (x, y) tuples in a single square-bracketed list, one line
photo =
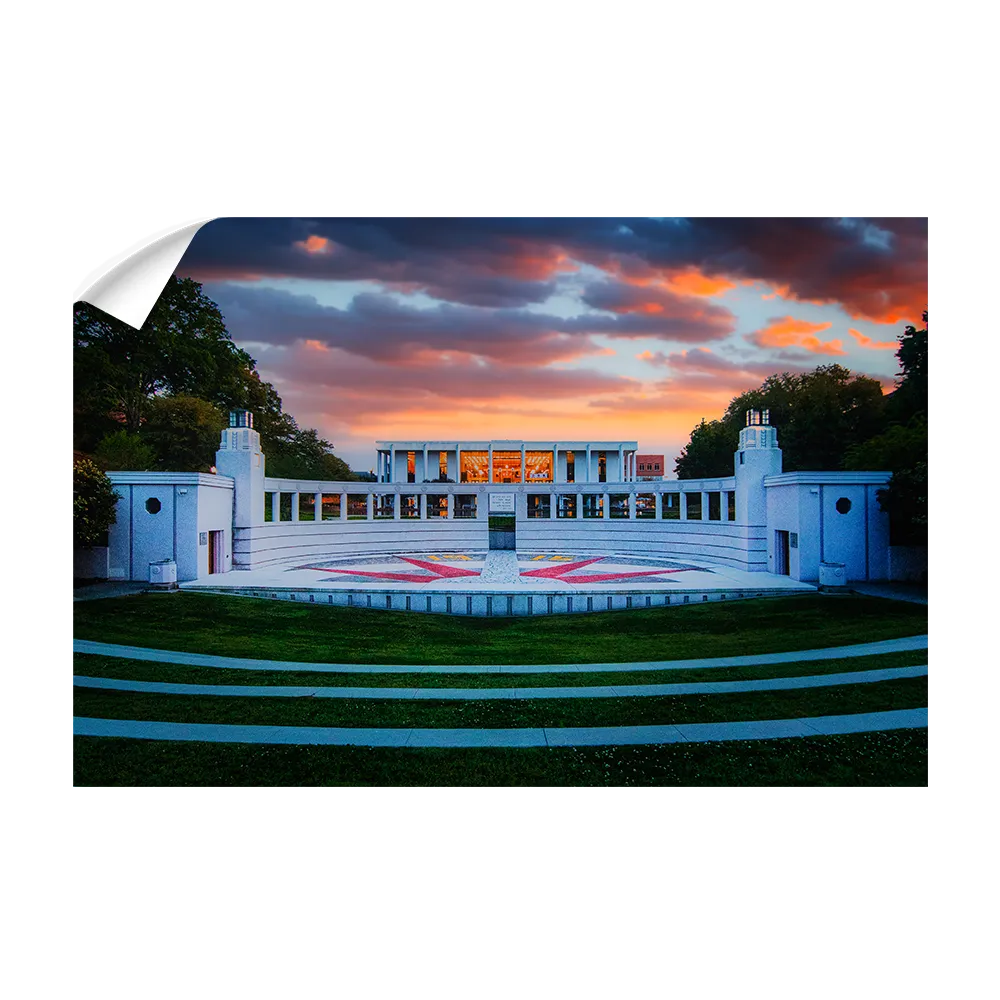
[(310, 633), (95, 665), (507, 714), (284, 630), (872, 759)]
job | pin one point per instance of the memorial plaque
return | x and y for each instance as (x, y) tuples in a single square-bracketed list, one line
[(502, 503)]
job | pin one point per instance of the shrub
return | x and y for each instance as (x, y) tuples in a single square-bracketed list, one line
[(94, 500)]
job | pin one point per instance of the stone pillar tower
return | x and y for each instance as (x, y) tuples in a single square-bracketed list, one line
[(240, 457), (758, 456)]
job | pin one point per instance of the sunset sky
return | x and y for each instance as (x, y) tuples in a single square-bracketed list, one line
[(564, 329)]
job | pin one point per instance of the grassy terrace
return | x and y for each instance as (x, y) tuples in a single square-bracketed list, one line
[(242, 627), (316, 634), (877, 759), (93, 665), (360, 712)]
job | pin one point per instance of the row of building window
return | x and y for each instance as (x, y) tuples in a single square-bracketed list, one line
[(539, 467)]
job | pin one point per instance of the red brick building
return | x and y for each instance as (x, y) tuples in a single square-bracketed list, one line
[(649, 467)]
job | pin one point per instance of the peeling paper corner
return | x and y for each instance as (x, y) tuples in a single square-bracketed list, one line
[(129, 290)]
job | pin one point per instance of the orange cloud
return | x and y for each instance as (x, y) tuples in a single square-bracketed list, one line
[(693, 282), (816, 346), (874, 345), (689, 281), (314, 244), (788, 332), (530, 262)]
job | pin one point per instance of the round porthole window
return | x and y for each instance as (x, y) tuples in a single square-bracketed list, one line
[(843, 505), (153, 505)]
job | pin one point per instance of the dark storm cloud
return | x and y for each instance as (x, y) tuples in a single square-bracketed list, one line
[(875, 268), (379, 326)]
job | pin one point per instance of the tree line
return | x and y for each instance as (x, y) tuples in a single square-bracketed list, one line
[(832, 418), (157, 397)]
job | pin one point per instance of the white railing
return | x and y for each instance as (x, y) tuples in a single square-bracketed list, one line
[(667, 500)]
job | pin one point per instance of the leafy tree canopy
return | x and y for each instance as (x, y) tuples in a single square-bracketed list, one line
[(909, 400), (183, 348), (122, 451), (184, 432), (171, 382), (302, 454), (905, 498), (819, 415), (894, 450), (94, 501), (709, 452)]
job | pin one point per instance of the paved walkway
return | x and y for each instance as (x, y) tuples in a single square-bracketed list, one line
[(239, 663), (827, 725), (915, 593), (506, 694), (111, 588)]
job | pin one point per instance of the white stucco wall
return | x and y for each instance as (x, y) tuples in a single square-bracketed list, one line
[(190, 503), (806, 503)]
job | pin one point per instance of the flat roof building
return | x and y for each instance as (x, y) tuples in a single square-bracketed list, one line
[(649, 466), (506, 461)]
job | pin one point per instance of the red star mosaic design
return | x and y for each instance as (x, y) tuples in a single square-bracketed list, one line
[(436, 571), (562, 571)]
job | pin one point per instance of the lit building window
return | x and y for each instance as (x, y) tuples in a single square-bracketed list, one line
[(537, 466), (506, 467), (442, 465), (411, 466), (475, 467)]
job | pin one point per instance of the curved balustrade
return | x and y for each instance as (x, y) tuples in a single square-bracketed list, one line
[(684, 500)]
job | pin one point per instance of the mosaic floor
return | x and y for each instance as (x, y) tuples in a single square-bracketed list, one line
[(550, 571)]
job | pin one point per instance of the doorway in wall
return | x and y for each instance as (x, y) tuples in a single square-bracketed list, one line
[(503, 531), (781, 550), (216, 552)]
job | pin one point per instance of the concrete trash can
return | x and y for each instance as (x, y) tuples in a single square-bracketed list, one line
[(163, 573), (832, 574)]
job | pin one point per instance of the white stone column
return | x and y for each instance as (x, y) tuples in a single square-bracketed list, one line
[(458, 463), (587, 478), (522, 463), (369, 513), (621, 463), (318, 507), (295, 506), (553, 505), (631, 506), (276, 506), (489, 464), (343, 506), (606, 513), (397, 502), (392, 465), (451, 505), (684, 506), (422, 506), (427, 474), (704, 505), (579, 505)]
